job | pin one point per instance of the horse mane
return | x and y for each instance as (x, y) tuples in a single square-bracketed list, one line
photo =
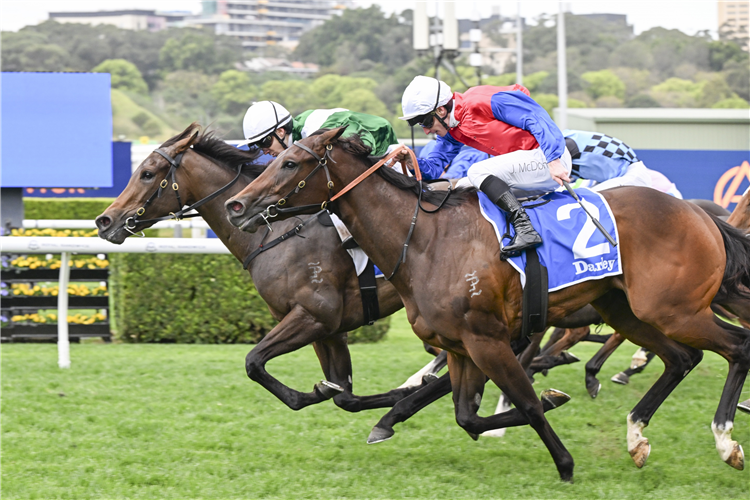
[(212, 146), (353, 144)]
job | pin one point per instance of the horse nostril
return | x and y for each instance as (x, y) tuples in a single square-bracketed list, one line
[(102, 222), (236, 206)]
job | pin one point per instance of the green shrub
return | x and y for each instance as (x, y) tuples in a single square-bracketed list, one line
[(195, 299), (64, 208), (368, 334)]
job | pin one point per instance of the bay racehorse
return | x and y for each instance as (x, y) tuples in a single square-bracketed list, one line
[(675, 260), (317, 310)]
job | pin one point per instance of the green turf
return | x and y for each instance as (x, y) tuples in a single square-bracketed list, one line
[(184, 421)]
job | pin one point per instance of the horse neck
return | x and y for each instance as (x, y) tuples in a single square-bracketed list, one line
[(379, 214), (205, 178)]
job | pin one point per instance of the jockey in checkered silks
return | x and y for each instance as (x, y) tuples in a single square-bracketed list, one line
[(604, 159)]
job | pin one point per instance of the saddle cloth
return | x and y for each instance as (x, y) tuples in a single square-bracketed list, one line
[(573, 249)]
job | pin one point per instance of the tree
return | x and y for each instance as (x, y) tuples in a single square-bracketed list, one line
[(364, 101), (233, 92), (604, 83), (731, 102), (292, 94), (125, 75), (197, 51)]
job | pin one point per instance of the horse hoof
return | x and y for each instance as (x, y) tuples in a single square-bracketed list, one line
[(640, 453), (494, 433), (639, 359), (328, 389), (621, 378), (379, 434), (473, 436), (594, 390), (737, 457), (744, 406), (428, 378), (569, 357), (554, 397)]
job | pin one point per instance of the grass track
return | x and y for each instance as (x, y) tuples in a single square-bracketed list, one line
[(183, 421)]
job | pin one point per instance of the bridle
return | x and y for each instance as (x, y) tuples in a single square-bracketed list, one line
[(181, 213), (274, 210)]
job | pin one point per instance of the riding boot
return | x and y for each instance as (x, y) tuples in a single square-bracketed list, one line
[(526, 236)]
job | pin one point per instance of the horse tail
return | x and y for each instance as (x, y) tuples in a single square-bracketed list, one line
[(736, 281)]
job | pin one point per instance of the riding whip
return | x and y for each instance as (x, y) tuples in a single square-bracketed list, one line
[(596, 222)]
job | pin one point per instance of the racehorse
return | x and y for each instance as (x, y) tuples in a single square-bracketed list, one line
[(311, 309), (661, 304)]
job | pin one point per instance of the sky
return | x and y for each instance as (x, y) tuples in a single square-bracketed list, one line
[(689, 16)]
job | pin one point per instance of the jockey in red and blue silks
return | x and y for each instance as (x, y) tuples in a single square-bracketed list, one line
[(527, 148)]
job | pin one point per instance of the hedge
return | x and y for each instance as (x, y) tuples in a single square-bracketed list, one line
[(65, 208), (177, 297)]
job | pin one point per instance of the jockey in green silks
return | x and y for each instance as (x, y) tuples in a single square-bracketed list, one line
[(270, 127)]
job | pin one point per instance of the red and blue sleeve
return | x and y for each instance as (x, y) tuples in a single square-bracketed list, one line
[(432, 165), (517, 109)]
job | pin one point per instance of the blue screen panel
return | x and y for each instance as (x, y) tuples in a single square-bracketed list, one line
[(56, 130), (120, 176), (710, 175)]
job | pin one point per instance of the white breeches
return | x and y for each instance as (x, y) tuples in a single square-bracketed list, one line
[(636, 175), (525, 171)]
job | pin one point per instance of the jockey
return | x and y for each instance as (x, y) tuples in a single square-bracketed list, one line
[(457, 168), (528, 149), (271, 128), (604, 159)]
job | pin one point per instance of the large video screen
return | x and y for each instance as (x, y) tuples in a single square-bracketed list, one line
[(56, 130)]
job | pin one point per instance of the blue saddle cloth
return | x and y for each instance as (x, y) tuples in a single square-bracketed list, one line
[(573, 249)]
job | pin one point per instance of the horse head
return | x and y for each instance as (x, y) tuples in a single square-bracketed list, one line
[(298, 181)]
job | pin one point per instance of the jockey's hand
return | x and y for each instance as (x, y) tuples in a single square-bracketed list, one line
[(558, 172), (405, 159)]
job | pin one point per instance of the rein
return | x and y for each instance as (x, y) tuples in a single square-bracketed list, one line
[(180, 213), (322, 163)]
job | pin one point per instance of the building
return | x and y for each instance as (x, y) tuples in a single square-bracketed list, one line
[(257, 23), (133, 19), (734, 23)]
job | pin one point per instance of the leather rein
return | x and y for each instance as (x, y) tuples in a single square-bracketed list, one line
[(276, 209), (181, 213)]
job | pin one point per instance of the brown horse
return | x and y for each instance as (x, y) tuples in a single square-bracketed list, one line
[(661, 304), (318, 311)]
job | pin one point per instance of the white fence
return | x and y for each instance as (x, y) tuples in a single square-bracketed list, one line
[(67, 245)]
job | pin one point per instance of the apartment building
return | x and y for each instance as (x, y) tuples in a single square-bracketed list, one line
[(734, 23)]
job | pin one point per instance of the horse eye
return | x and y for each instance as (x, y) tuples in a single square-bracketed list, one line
[(147, 175), (289, 164)]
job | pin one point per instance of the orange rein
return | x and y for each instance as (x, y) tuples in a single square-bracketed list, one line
[(369, 171)]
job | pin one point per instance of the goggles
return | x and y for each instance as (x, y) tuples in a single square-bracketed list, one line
[(263, 143), (425, 121)]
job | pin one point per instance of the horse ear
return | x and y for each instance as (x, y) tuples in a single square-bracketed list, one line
[(332, 135), (191, 135)]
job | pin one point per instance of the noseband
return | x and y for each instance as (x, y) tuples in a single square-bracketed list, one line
[(180, 213)]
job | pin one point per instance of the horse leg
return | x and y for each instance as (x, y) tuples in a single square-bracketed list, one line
[(429, 372), (496, 359), (408, 406), (679, 360), (525, 358), (623, 378), (734, 346), (296, 330), (555, 355), (595, 363), (336, 363)]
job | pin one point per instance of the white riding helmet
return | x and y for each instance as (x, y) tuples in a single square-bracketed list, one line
[(262, 118), (424, 95)]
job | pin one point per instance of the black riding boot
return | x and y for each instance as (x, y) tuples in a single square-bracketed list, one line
[(526, 236)]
